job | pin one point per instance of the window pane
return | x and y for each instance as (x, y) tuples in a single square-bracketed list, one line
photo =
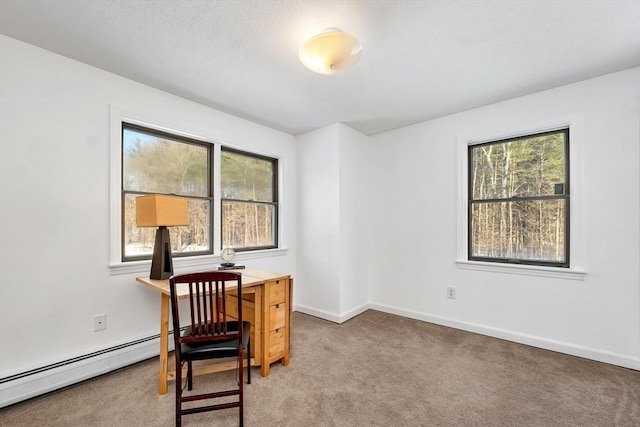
[(139, 241), (246, 225), (246, 178), (526, 167), (525, 230), (157, 164)]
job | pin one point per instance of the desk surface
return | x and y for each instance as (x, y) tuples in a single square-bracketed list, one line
[(250, 277)]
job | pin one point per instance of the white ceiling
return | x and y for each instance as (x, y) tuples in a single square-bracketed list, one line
[(420, 60)]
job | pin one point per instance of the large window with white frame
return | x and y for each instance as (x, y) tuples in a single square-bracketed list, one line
[(520, 205), (155, 161), (518, 200)]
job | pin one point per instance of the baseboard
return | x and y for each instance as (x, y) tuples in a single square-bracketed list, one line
[(598, 355), (354, 312), (22, 387), (332, 317), (17, 388)]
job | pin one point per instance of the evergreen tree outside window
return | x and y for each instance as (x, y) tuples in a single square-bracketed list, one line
[(155, 162), (249, 200), (518, 200)]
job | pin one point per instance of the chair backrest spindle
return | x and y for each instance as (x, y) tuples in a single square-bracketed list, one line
[(208, 305)]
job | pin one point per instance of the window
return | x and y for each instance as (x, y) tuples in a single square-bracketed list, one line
[(249, 200), (518, 200), (155, 162)]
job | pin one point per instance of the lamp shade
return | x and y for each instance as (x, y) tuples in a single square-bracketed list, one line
[(160, 210), (330, 52)]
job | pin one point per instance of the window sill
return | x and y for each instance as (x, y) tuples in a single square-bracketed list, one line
[(525, 270), (185, 263)]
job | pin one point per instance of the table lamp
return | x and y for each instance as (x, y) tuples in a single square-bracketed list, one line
[(161, 211)]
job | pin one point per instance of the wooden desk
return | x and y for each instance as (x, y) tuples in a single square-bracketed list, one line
[(266, 299)]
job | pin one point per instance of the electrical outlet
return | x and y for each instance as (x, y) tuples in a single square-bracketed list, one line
[(99, 322), (451, 292)]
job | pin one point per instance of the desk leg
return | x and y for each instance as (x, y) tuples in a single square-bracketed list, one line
[(266, 341), (289, 299), (164, 344), (258, 329)]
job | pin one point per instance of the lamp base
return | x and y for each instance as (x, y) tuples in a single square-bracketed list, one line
[(161, 263)]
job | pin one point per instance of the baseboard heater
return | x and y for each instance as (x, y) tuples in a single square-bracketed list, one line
[(34, 382)]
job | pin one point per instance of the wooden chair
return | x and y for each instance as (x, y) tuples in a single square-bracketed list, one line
[(210, 334)]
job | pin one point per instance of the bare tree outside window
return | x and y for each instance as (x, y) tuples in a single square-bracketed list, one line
[(519, 200), (249, 201), (155, 162)]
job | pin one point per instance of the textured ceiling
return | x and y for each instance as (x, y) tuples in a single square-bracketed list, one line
[(421, 59)]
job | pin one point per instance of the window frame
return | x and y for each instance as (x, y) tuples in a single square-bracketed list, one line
[(566, 196), (181, 123), (577, 269), (274, 202), (210, 188)]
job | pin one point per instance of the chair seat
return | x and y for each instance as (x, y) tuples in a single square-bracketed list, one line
[(218, 349)]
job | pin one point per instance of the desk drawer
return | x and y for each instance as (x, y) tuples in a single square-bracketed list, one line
[(277, 316), (276, 342), (277, 292)]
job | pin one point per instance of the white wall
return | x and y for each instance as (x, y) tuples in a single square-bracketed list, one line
[(333, 225), (354, 222), (414, 224), (55, 207), (318, 221)]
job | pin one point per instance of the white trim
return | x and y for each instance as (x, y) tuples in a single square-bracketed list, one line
[(354, 312), (117, 115), (577, 269), (34, 385), (529, 270), (332, 317), (217, 201), (322, 314), (188, 263), (599, 355)]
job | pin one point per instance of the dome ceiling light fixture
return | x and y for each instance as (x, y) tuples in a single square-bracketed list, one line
[(330, 52)]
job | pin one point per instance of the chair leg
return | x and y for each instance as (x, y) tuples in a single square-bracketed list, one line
[(189, 376), (249, 362), (178, 382), (240, 387)]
